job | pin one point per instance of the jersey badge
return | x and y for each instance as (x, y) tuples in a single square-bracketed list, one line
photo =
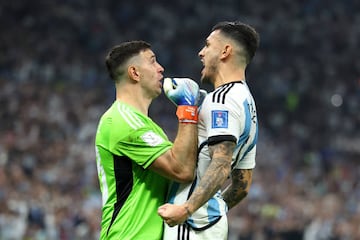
[(219, 119), (152, 139)]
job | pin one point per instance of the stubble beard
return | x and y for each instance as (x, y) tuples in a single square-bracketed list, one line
[(209, 76)]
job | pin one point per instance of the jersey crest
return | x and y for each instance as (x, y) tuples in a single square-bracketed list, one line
[(219, 119), (152, 139)]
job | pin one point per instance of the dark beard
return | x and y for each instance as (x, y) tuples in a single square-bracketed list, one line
[(209, 78), (211, 72), (206, 79)]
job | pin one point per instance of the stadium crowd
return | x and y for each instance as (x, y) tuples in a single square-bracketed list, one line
[(305, 78)]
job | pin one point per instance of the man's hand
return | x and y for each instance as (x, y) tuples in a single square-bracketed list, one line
[(181, 91), (184, 93), (202, 95), (173, 214)]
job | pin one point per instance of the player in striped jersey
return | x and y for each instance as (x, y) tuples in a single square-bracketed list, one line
[(134, 157), (227, 134)]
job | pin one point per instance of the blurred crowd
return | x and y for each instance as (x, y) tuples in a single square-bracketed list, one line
[(54, 87)]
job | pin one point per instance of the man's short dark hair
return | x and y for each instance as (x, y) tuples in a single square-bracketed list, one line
[(242, 33), (121, 53)]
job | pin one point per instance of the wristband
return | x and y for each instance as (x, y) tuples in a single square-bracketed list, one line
[(187, 114)]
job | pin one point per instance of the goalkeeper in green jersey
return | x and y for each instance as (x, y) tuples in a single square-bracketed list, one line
[(135, 159)]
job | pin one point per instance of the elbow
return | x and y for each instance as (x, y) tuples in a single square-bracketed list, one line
[(185, 177), (245, 193)]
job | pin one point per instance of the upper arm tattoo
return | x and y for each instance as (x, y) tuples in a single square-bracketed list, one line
[(225, 148), (215, 175), (240, 184)]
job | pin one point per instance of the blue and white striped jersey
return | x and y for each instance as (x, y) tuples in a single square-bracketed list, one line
[(227, 113)]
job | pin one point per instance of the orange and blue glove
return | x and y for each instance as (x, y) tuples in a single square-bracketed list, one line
[(185, 94)]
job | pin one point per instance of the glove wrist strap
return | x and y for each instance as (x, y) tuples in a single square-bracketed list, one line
[(187, 114)]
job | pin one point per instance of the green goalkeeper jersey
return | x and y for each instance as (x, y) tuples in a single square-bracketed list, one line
[(127, 142)]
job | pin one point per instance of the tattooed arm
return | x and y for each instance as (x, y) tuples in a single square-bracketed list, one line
[(215, 175), (213, 179), (238, 189)]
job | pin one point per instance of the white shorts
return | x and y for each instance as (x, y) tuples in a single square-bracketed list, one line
[(219, 231)]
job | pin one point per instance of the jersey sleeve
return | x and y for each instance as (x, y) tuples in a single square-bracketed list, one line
[(125, 132), (144, 146), (222, 122), (248, 162)]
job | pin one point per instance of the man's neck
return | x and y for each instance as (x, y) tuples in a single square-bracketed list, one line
[(229, 73), (133, 98), (221, 80)]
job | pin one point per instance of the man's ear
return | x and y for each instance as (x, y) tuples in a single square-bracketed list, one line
[(226, 51), (134, 73)]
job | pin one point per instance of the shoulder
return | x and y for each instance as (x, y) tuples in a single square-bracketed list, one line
[(224, 97), (121, 115), (224, 93)]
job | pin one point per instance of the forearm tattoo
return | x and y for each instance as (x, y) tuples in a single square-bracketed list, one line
[(215, 175), (239, 187)]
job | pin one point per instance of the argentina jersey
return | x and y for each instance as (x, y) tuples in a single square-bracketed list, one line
[(227, 114)]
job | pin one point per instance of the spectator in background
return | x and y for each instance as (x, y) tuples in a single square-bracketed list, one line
[(53, 87)]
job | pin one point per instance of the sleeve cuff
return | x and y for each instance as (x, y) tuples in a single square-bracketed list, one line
[(220, 138)]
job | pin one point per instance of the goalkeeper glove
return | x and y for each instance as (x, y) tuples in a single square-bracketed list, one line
[(202, 95), (184, 93)]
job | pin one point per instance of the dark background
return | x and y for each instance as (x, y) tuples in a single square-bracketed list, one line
[(305, 78)]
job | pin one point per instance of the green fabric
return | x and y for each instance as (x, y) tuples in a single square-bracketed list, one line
[(133, 140)]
